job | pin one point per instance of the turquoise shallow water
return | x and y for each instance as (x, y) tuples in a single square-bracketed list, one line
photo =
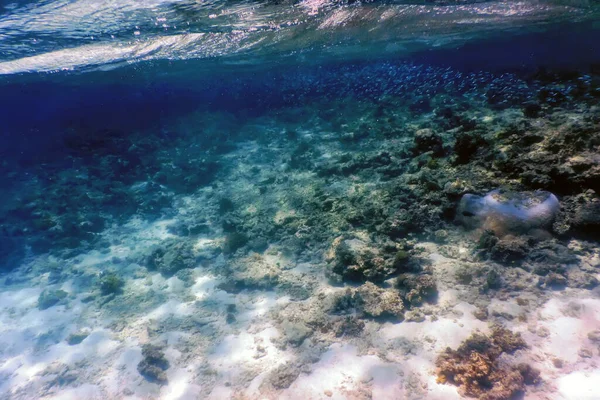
[(299, 199)]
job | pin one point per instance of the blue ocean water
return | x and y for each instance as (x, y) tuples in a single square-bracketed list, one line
[(261, 199)]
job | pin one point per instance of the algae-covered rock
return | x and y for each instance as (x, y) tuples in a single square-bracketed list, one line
[(397, 225), (417, 288), (225, 205), (555, 280), (563, 160), (377, 302), (510, 249), (348, 326), (467, 145), (427, 140), (171, 257), (284, 375), (581, 279), (487, 240), (110, 283), (251, 273), (370, 301), (154, 364), (401, 260), (49, 298), (234, 241), (357, 261), (531, 110), (295, 332), (258, 244), (594, 336), (77, 337), (582, 215), (493, 280), (194, 228), (550, 255)]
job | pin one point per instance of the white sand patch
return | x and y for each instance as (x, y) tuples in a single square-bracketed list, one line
[(22, 324), (505, 308), (429, 339), (220, 393), (86, 391), (21, 299), (27, 366), (172, 286), (99, 344), (175, 285), (223, 297), (449, 299), (580, 385), (341, 369), (303, 268), (246, 352), (442, 333), (241, 350), (204, 286), (180, 386), (123, 374), (69, 287), (567, 334), (94, 258), (168, 309), (342, 373), (25, 332), (257, 306), (130, 357), (172, 338)]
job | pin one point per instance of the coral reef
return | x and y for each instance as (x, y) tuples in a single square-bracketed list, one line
[(476, 368)]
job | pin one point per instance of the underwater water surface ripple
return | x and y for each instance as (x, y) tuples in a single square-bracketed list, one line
[(88, 34)]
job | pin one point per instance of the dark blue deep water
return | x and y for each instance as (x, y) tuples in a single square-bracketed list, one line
[(57, 73)]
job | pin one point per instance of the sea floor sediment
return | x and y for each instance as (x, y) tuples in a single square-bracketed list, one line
[(313, 250)]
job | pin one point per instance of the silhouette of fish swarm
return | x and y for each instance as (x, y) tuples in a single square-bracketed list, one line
[(475, 367)]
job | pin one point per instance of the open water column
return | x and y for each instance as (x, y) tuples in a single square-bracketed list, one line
[(300, 199)]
